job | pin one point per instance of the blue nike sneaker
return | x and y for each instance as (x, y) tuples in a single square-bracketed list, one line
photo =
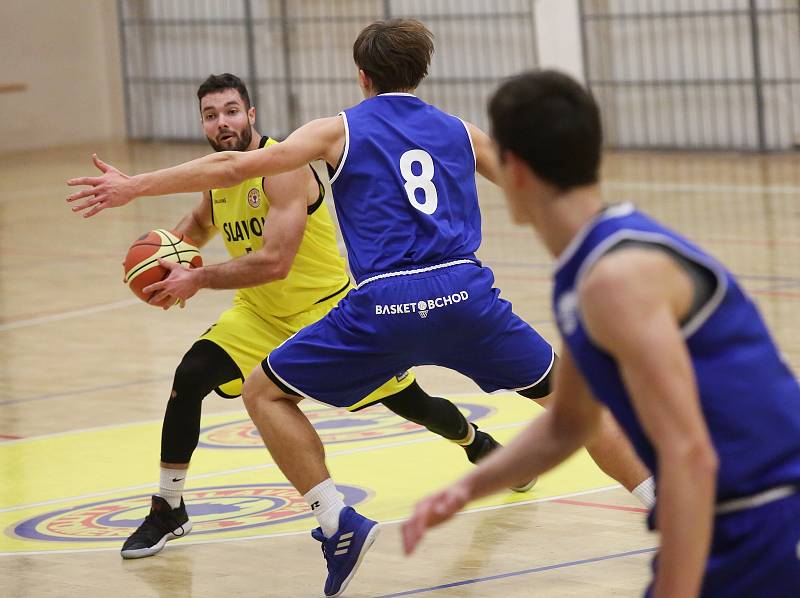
[(345, 550)]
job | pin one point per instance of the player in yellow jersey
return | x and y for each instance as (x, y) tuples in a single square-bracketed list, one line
[(289, 273)]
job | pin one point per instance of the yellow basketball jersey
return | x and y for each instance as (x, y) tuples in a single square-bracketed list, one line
[(318, 271)]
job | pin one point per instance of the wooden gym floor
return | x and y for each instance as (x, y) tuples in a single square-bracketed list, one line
[(86, 369)]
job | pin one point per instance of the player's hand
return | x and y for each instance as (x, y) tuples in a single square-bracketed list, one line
[(181, 285), (432, 511), (110, 190)]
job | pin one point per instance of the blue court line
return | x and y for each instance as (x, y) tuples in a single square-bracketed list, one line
[(79, 391), (465, 582)]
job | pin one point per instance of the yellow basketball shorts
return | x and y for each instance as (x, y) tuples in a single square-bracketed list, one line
[(249, 335)]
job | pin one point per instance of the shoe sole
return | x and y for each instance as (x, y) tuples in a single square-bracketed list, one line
[(525, 487), (140, 553), (373, 533)]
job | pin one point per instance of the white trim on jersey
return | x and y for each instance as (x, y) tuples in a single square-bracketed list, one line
[(617, 211), (346, 147), (471, 145), (705, 312), (415, 271), (755, 500), (533, 385), (396, 93)]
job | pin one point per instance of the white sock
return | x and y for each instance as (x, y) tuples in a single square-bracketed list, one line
[(170, 486), (646, 492), (326, 503)]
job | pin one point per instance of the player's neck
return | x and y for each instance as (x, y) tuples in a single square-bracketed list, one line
[(563, 215), (371, 93), (255, 141)]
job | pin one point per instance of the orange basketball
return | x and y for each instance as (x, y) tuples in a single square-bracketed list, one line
[(141, 263)]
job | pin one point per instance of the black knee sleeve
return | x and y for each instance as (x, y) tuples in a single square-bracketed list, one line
[(439, 415), (204, 367), (545, 385)]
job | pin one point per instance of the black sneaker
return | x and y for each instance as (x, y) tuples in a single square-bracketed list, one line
[(162, 524), (484, 444)]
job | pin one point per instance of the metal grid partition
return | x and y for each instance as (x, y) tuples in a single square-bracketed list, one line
[(695, 74), (296, 56)]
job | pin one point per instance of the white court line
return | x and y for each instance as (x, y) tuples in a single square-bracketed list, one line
[(645, 186), (68, 315), (213, 474), (305, 532)]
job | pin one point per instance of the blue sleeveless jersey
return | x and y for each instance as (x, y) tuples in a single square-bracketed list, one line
[(749, 397), (405, 187)]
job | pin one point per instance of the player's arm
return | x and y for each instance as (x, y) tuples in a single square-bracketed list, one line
[(289, 195), (282, 235), (546, 442), (197, 224), (322, 138), (632, 301), (485, 155)]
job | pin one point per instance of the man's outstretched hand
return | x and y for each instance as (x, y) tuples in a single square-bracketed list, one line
[(432, 511), (110, 190)]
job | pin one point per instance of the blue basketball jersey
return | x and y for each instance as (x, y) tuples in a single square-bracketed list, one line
[(405, 187), (749, 397)]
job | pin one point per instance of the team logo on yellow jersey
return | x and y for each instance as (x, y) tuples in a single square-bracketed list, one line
[(254, 198), (212, 509), (334, 426)]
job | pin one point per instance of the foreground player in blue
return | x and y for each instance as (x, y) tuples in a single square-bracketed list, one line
[(662, 334), (403, 177)]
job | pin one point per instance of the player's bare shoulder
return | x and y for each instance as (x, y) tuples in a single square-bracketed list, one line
[(627, 272), (325, 135)]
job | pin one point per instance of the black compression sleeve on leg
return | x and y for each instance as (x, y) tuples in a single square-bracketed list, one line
[(439, 415), (204, 367)]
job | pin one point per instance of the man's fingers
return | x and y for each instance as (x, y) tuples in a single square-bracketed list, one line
[(169, 265), (411, 536), (152, 288), (158, 298), (99, 163), (443, 509), (85, 180), (88, 192), (95, 210), (162, 300), (86, 204)]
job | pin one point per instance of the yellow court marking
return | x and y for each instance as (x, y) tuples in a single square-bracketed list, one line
[(89, 489)]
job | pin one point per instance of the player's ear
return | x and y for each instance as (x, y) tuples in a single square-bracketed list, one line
[(251, 116), (514, 169), (364, 80)]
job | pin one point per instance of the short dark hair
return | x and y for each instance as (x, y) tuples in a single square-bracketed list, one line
[(552, 123), (221, 82), (394, 53)]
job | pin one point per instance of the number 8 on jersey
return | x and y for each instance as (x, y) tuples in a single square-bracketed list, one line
[(423, 181)]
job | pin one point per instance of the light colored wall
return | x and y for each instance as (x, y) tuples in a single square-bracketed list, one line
[(558, 36), (474, 51), (704, 48), (67, 53)]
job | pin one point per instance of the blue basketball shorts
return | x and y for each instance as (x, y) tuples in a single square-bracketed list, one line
[(755, 553), (448, 316)]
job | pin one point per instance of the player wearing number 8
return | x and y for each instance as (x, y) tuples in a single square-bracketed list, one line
[(403, 177)]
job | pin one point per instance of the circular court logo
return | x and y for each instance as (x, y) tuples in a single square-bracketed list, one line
[(333, 426), (213, 509)]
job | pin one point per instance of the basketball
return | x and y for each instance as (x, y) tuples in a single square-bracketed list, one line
[(141, 262)]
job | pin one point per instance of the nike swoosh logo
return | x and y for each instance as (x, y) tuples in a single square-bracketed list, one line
[(177, 479)]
